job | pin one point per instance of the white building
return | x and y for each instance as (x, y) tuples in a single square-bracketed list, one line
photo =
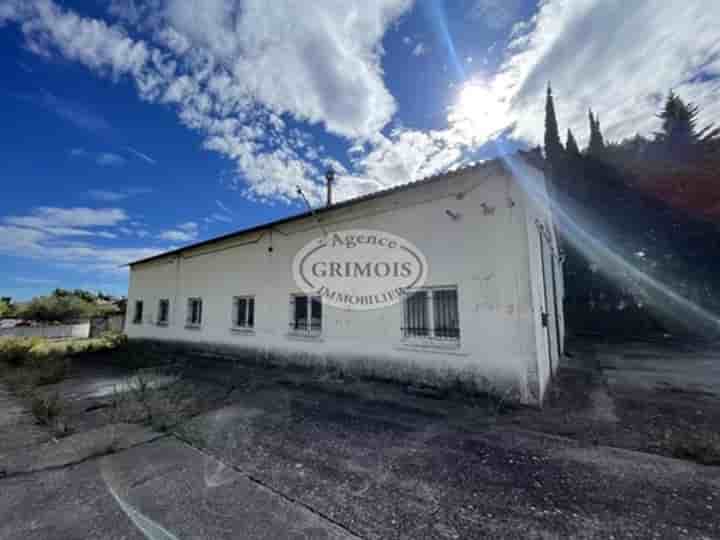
[(493, 277)]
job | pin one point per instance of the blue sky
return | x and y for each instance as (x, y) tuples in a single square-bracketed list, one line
[(134, 126)]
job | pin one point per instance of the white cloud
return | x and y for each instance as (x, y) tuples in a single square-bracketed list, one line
[(108, 159), (177, 236), (141, 155), (496, 14), (189, 226), (407, 155), (34, 281), (242, 77), (216, 216), (419, 49), (104, 159), (119, 195), (318, 61), (73, 112), (232, 73), (37, 244), (619, 59), (46, 217), (223, 207), (185, 232)]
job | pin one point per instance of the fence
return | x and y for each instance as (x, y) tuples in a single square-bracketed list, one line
[(109, 323), (58, 331)]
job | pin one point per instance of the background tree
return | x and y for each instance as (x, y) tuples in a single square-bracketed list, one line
[(596, 146), (571, 145), (5, 307), (679, 136), (553, 146)]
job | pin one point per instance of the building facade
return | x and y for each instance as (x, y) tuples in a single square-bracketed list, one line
[(489, 312)]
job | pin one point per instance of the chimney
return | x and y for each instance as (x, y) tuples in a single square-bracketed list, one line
[(330, 177)]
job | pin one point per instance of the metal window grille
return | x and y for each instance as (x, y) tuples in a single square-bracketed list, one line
[(163, 311), (431, 313), (445, 311), (138, 315), (415, 311)]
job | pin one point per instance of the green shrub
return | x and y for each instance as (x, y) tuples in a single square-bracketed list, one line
[(17, 351)]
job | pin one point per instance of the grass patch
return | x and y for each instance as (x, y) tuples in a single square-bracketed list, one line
[(149, 398), (26, 363)]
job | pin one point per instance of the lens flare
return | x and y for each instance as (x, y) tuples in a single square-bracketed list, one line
[(586, 237), (479, 114)]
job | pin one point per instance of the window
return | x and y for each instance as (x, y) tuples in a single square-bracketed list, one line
[(138, 313), (194, 313), (244, 312), (305, 314), (163, 312), (431, 313)]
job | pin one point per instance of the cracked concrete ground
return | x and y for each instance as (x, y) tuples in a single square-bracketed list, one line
[(277, 453)]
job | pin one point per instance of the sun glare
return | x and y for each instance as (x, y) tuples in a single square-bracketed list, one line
[(479, 110)]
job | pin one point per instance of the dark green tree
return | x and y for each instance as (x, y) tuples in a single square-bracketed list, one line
[(553, 146), (596, 146), (679, 132), (571, 145)]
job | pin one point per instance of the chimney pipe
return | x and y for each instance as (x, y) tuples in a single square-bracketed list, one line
[(330, 177)]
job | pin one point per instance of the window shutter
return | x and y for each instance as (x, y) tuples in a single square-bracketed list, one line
[(236, 304)]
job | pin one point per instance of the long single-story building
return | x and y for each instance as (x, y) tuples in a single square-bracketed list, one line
[(487, 311)]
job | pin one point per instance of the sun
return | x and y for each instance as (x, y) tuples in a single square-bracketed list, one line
[(479, 110)]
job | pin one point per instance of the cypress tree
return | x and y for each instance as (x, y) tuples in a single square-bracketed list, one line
[(571, 145), (596, 146), (553, 146)]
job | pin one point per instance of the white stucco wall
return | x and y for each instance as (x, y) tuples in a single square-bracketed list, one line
[(484, 253)]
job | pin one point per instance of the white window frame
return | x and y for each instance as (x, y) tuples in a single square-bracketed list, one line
[(166, 320), (247, 326), (138, 319), (431, 338), (189, 323), (309, 330)]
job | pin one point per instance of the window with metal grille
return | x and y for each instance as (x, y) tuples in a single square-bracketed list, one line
[(194, 312), (305, 314), (163, 311), (431, 313), (244, 312), (138, 312)]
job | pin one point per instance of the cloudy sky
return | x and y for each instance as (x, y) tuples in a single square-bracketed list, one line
[(133, 126)]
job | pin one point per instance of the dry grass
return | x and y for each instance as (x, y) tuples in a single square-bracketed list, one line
[(141, 400)]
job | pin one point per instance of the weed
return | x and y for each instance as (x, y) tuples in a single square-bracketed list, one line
[(702, 447), (46, 409)]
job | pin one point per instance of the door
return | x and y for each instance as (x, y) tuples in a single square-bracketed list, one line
[(548, 316)]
